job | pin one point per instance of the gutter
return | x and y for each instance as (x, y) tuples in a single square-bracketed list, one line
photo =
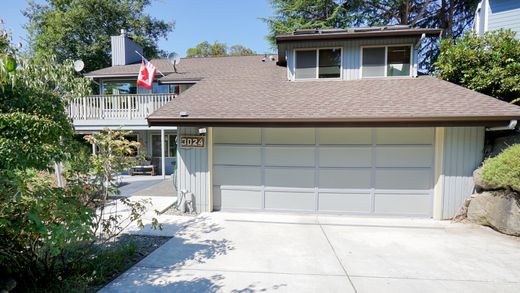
[(511, 126)]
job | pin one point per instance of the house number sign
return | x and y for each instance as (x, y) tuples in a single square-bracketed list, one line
[(193, 141)]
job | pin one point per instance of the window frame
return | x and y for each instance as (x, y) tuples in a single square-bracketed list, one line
[(167, 138), (317, 49), (386, 60)]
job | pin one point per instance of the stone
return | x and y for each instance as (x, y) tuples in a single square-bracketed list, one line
[(480, 185), (499, 210)]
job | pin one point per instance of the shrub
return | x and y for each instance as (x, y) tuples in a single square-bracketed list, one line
[(503, 171)]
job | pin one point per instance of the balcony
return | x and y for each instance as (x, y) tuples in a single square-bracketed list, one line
[(116, 107)]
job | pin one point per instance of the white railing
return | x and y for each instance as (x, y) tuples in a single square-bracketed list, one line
[(117, 106)]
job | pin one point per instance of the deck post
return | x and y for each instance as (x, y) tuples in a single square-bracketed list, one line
[(163, 155)]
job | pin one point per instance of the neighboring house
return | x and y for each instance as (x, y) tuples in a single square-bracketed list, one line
[(497, 14), (341, 123), (120, 103)]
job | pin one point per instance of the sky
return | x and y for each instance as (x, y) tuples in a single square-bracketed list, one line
[(228, 21)]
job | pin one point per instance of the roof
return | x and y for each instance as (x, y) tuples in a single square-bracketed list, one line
[(352, 33), (131, 70), (241, 91)]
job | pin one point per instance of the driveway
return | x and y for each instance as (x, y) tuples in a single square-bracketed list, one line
[(260, 252)]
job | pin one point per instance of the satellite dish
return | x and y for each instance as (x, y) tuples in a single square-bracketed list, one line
[(174, 59), (79, 65)]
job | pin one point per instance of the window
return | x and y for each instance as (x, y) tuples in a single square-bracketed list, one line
[(386, 61), (306, 64), (398, 61), (318, 63), (156, 89), (119, 87), (170, 145), (330, 63)]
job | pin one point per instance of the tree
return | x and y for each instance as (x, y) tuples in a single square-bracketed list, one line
[(453, 16), (489, 64), (81, 29), (217, 49), (239, 50)]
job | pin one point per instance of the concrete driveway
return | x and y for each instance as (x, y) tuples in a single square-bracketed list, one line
[(235, 252)]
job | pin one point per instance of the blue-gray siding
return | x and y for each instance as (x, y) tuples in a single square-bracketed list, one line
[(192, 170), (351, 52), (463, 153), (123, 51), (504, 14)]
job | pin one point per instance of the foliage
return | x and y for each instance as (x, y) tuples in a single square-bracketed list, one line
[(81, 29), (217, 49), (42, 224), (488, 64), (503, 171), (453, 16)]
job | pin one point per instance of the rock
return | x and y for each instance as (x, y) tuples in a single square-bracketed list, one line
[(480, 185), (499, 210)]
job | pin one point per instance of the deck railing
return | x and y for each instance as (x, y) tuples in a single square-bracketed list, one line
[(117, 106)]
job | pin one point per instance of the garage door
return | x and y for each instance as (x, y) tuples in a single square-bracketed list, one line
[(347, 170)]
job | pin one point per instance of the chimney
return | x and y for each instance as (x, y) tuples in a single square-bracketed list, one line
[(123, 50)]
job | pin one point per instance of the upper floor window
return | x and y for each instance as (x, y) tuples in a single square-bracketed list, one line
[(386, 61), (318, 63)]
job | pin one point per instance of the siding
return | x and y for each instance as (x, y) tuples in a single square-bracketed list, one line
[(463, 153), (504, 14), (192, 170), (351, 52)]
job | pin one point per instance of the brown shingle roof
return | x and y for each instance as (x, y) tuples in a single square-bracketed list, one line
[(131, 70), (245, 90)]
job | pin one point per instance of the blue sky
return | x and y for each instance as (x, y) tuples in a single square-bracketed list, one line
[(229, 21)]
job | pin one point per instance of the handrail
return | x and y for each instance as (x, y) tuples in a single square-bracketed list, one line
[(130, 106)]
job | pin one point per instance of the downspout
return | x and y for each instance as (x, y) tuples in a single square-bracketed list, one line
[(511, 126)]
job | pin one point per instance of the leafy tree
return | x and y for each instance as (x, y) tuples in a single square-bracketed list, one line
[(217, 49), (489, 64), (81, 29), (239, 50)]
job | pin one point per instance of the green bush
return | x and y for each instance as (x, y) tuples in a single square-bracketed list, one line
[(503, 171)]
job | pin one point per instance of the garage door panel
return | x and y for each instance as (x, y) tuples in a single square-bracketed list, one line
[(241, 199), (289, 156), (238, 135), (237, 155), (345, 157), (404, 136), (289, 136), (289, 177), (404, 156), (405, 179), (344, 202), (237, 176), (357, 178), (283, 200), (345, 136), (407, 204)]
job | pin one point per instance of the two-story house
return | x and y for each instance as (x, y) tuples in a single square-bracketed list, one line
[(497, 14), (121, 103), (338, 122)]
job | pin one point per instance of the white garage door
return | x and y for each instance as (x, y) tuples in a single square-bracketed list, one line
[(348, 170)]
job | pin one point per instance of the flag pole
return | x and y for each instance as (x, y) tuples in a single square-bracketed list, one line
[(148, 61)]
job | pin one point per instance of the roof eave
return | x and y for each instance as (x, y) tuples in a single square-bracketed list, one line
[(336, 122), (356, 35)]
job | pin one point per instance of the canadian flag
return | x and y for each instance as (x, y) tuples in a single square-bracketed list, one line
[(146, 74)]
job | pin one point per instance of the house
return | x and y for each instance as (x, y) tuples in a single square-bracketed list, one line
[(497, 14), (120, 103), (339, 121)]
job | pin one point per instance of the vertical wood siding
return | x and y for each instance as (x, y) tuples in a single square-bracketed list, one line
[(463, 153), (192, 170), (351, 52), (504, 14)]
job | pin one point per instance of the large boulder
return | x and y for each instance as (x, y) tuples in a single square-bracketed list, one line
[(480, 185), (499, 210)]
